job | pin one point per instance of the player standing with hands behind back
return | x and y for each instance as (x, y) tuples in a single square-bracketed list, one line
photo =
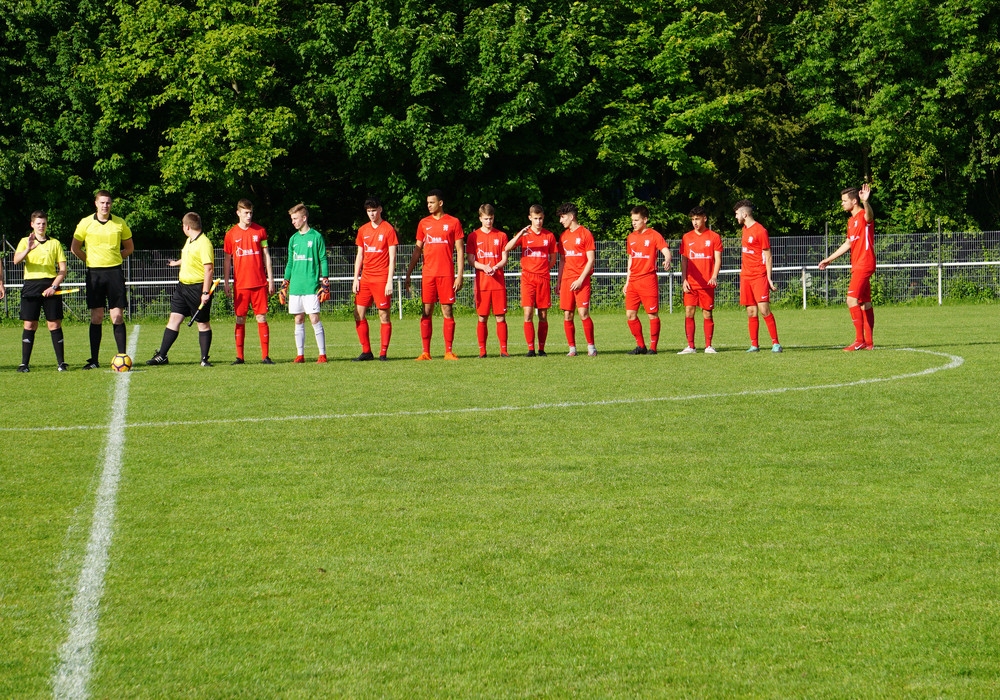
[(642, 286), (487, 253), (756, 282), (305, 272), (861, 242), (373, 268), (701, 261), (102, 242), (246, 254)]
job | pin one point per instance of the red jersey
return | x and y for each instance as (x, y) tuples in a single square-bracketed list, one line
[(247, 248), (535, 251), (861, 234), (439, 237), (374, 242), (573, 247), (488, 248), (700, 249), (643, 247), (755, 242)]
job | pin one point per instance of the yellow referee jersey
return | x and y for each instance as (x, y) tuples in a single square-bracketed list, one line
[(102, 241), (42, 262), (194, 256)]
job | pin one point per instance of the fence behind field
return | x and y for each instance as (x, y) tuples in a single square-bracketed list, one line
[(960, 266)]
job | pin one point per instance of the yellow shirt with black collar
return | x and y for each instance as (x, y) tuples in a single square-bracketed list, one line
[(102, 240), (195, 255)]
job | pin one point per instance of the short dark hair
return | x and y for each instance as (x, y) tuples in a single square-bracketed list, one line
[(38, 214), (244, 204), (536, 209), (641, 210), (102, 193), (743, 203), (192, 220), (372, 203), (698, 211), (436, 193), (852, 193), (567, 208)]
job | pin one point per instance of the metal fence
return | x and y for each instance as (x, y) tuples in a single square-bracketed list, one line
[(937, 266)]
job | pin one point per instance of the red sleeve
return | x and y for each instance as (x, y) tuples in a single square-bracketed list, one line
[(765, 240), (227, 245), (590, 245), (718, 243), (359, 240), (661, 242), (392, 238)]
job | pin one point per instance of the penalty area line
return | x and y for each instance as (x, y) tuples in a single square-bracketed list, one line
[(953, 362), (76, 655)]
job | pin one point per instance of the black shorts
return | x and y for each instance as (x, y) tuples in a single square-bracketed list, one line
[(185, 300), (32, 301), (106, 287)]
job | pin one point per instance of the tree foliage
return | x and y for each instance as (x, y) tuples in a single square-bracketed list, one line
[(194, 104)]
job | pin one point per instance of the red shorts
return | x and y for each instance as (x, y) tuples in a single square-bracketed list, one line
[(435, 290), (373, 290), (861, 287), (705, 298), (645, 292), (243, 299), (491, 298), (570, 300), (754, 291), (536, 291)]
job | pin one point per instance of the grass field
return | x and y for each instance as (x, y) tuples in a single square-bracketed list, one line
[(611, 526)]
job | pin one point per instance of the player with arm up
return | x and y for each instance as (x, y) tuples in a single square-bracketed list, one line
[(756, 280), (487, 253), (701, 261), (440, 240), (577, 256), (373, 268), (193, 290), (247, 255), (861, 242), (305, 271), (642, 287), (538, 257), (44, 270)]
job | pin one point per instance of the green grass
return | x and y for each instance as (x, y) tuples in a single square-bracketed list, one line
[(834, 542)]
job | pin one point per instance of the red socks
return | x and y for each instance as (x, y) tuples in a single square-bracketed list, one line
[(570, 333), (502, 336), (481, 334), (689, 331), (635, 326), (869, 326), (265, 339), (386, 333), (588, 330), (362, 328), (449, 334), (709, 331), (754, 324), (543, 333), (529, 334), (654, 332), (426, 328), (858, 318), (772, 328), (241, 334)]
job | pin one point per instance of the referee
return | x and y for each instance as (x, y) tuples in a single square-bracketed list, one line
[(102, 242)]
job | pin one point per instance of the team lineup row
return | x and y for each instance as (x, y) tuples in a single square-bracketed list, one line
[(103, 240)]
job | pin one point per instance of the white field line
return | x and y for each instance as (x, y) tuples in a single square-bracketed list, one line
[(76, 655), (953, 362)]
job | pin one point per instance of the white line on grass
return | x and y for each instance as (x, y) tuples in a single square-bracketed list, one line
[(953, 362), (76, 655)]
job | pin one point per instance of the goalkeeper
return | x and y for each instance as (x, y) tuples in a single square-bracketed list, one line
[(193, 291), (305, 274)]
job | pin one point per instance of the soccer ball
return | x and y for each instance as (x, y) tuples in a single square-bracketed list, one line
[(121, 362)]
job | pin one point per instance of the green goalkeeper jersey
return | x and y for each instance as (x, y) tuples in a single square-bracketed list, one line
[(306, 262)]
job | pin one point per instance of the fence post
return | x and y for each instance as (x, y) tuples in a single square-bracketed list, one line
[(940, 266), (3, 271), (670, 294), (826, 253), (399, 295), (803, 287)]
